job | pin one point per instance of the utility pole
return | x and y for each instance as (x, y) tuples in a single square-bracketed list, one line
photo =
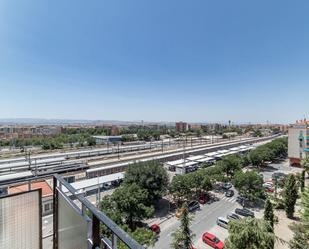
[(183, 156), (36, 168), (118, 151), (162, 145)]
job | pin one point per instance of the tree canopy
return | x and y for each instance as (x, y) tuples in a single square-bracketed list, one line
[(129, 200), (250, 233), (290, 195), (249, 184), (150, 176)]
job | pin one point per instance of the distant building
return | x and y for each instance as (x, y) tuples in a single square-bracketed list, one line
[(107, 139), (26, 132), (195, 126), (298, 144), (115, 130), (47, 194), (182, 126)]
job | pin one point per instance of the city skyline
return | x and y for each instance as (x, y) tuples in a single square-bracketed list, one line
[(165, 61)]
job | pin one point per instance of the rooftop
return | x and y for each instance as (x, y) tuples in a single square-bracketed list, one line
[(46, 189)]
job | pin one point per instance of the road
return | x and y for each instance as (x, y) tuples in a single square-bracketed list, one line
[(283, 167), (203, 220)]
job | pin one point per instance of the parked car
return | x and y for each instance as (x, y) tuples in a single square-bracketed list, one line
[(233, 216), (244, 212), (193, 205), (222, 222), (270, 190), (242, 200), (229, 193), (203, 199), (107, 186), (212, 241), (278, 176), (268, 184), (227, 185), (155, 228)]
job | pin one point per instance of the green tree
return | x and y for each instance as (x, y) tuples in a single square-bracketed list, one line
[(181, 188), (300, 240), (256, 158), (182, 238), (269, 213), (250, 233), (150, 176), (91, 141), (305, 164), (144, 236), (249, 184), (302, 184), (230, 164), (290, 195), (301, 230), (130, 200)]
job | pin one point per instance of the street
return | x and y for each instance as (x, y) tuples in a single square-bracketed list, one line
[(205, 218)]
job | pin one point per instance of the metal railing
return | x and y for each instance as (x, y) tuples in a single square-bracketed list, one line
[(96, 239)]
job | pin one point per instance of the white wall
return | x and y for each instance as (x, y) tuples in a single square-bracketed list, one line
[(294, 144)]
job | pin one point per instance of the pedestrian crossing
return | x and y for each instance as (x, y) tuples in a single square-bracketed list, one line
[(229, 199)]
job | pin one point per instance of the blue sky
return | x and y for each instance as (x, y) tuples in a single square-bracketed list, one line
[(200, 60)]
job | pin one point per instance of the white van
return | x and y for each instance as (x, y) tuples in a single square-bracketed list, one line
[(222, 222)]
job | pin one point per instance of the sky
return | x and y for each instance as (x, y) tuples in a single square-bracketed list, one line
[(196, 61)]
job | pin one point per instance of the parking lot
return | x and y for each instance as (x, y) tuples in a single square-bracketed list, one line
[(204, 219)]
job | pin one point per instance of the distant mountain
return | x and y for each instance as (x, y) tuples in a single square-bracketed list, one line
[(34, 121)]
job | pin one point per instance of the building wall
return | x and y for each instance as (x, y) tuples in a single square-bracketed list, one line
[(181, 126), (47, 205), (295, 146)]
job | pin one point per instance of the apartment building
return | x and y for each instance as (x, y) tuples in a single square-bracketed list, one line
[(182, 126), (298, 142), (14, 132)]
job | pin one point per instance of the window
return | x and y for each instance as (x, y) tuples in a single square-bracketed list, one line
[(47, 207)]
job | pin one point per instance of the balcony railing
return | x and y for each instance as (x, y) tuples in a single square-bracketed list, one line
[(77, 222)]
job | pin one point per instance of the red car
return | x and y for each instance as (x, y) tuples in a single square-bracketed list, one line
[(155, 228), (203, 199), (212, 241)]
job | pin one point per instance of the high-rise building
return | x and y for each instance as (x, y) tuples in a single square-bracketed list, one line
[(298, 145)]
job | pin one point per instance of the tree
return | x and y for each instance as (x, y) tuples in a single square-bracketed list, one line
[(181, 188), (108, 206), (250, 233), (256, 158), (269, 213), (301, 230), (130, 200), (290, 195), (230, 164), (301, 179), (91, 141), (305, 212), (305, 164), (144, 236), (299, 241), (185, 187), (150, 176), (182, 238), (249, 184)]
